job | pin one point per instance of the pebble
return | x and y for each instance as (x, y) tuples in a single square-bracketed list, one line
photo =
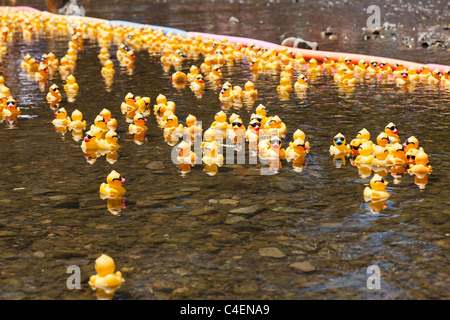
[(234, 219), (156, 165), (229, 202), (302, 266), (205, 210), (271, 252), (248, 210), (213, 201)]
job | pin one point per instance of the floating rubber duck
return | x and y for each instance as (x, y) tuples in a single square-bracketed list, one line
[(211, 155), (111, 123), (177, 59), (121, 52), (128, 60), (383, 140), (226, 94), (364, 136), (99, 128), (295, 150), (108, 69), (373, 68), (216, 73), (185, 155), (198, 84), (288, 72), (285, 86), (349, 79), (380, 157), (313, 67), (172, 130), (26, 61), (340, 74), (354, 147), (397, 154), (275, 125), (106, 279), (104, 55), (360, 68), (77, 122), (424, 73), (435, 77), (249, 91), (236, 131), (220, 124), (411, 143), (54, 96), (339, 146), (89, 143), (113, 188), (299, 134), (71, 87), (11, 109), (206, 66), (413, 75), (385, 68), (421, 166), (61, 118), (404, 79), (194, 71), (411, 156), (143, 104), (376, 190), (302, 83), (391, 130), (193, 128), (365, 154), (110, 141), (252, 133), (139, 124), (328, 63), (129, 107), (42, 74), (65, 68), (179, 79)]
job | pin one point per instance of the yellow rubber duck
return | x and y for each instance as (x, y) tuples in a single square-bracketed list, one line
[(391, 131), (54, 96), (339, 146), (26, 61), (129, 107), (349, 79), (108, 70), (421, 163), (404, 79), (71, 87), (275, 125), (61, 118), (211, 155), (216, 73), (380, 157), (360, 68), (313, 67), (185, 155), (42, 74), (385, 68), (104, 55), (198, 84), (121, 52), (65, 69), (340, 74), (220, 124), (364, 136), (249, 91), (11, 109), (194, 71), (435, 77), (252, 133), (89, 142), (413, 75), (77, 121), (285, 86), (113, 188), (355, 146), (179, 79), (106, 278), (424, 73), (376, 190), (383, 140), (226, 94), (295, 150), (328, 63), (397, 154), (302, 83), (139, 124), (110, 141), (365, 154), (193, 129)]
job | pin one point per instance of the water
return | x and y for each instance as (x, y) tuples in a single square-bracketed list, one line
[(52, 216)]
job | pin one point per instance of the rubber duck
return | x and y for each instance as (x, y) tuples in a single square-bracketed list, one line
[(52, 62), (295, 150), (139, 124), (421, 166), (349, 79), (65, 69), (404, 79), (216, 73), (299, 61), (33, 66), (11, 109), (411, 143), (288, 72), (111, 123), (285, 86), (172, 130), (128, 60), (339, 146), (256, 66), (299, 134), (446, 78), (328, 63), (252, 133), (198, 84), (129, 107), (42, 74), (194, 71), (391, 131), (355, 146), (121, 52), (106, 279), (376, 190), (206, 66), (71, 87), (380, 157), (108, 69), (226, 94), (313, 67), (435, 77), (424, 73), (193, 128), (364, 136), (340, 74), (89, 142), (103, 55), (143, 104), (110, 141), (220, 124), (302, 83), (211, 155), (237, 93), (397, 154), (383, 140), (360, 68), (385, 68), (411, 156), (54, 96), (274, 153), (77, 122), (236, 131), (61, 118), (249, 91), (72, 57), (177, 59), (113, 188), (99, 128), (275, 125), (413, 75), (365, 154), (26, 61), (185, 155), (161, 102), (373, 68)]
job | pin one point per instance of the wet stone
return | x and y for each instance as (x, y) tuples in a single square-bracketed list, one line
[(302, 267), (234, 219), (156, 165), (271, 252), (58, 197), (229, 202), (202, 211), (288, 210), (248, 210), (39, 254), (5, 233)]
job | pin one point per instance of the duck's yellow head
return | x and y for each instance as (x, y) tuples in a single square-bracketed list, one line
[(220, 117), (130, 98), (411, 143), (161, 99), (194, 70), (339, 140), (100, 122), (191, 120), (199, 79), (299, 134), (285, 81), (391, 129), (302, 79), (312, 63), (261, 110), (421, 157), (363, 134), (383, 139), (381, 153), (299, 145), (348, 61), (210, 135), (105, 113), (70, 80), (11, 103), (226, 88), (109, 64), (249, 86), (77, 115), (377, 183), (111, 136), (436, 74), (355, 145), (104, 265), (362, 64), (398, 150), (365, 149), (411, 155), (54, 88), (61, 113), (172, 121), (139, 120), (115, 179), (425, 70)]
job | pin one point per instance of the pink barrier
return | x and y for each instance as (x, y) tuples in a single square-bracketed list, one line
[(319, 55), (21, 8)]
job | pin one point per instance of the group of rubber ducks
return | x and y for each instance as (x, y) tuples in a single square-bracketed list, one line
[(8, 107), (385, 156)]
